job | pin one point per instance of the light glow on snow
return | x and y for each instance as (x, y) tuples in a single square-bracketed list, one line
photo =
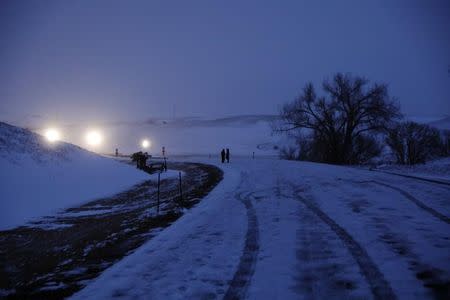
[(94, 138), (28, 165), (52, 135), (146, 143)]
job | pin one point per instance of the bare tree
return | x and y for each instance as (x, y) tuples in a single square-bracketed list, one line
[(349, 110), (289, 153), (446, 141), (395, 141), (415, 143)]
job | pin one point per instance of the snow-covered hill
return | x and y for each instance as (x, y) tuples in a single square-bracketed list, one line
[(38, 178)]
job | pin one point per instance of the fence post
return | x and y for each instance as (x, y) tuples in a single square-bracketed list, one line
[(159, 178), (181, 191)]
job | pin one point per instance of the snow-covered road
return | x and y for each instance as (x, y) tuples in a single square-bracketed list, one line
[(276, 229)]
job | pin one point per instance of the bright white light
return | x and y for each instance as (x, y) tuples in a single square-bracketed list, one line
[(145, 143), (94, 138), (52, 135)]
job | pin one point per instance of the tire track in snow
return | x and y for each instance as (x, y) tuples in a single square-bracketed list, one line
[(415, 177), (380, 288), (432, 277), (417, 202), (246, 268)]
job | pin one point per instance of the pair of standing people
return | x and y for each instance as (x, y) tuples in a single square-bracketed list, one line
[(225, 155)]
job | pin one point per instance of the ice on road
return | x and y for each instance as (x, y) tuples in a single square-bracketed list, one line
[(276, 229)]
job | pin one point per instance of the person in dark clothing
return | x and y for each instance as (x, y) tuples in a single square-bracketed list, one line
[(141, 160), (144, 158), (227, 155), (134, 158), (222, 154)]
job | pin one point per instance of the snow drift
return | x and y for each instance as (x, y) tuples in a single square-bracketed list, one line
[(38, 178)]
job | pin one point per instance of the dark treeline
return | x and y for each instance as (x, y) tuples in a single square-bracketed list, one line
[(351, 122)]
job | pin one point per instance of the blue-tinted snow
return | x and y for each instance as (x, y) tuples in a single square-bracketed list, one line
[(38, 179), (256, 236)]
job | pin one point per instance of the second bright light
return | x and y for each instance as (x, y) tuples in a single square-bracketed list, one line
[(145, 143)]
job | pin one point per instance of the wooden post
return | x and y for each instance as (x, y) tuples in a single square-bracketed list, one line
[(181, 191), (159, 178)]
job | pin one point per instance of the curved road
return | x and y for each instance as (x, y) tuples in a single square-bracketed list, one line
[(286, 230)]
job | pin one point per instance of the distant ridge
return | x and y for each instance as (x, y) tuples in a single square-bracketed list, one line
[(443, 124), (237, 120), (208, 122)]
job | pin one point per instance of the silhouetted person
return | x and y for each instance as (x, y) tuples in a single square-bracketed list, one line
[(141, 160), (222, 154), (227, 155), (144, 158)]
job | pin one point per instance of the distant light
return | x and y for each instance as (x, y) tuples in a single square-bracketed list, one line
[(52, 135), (145, 143), (94, 138)]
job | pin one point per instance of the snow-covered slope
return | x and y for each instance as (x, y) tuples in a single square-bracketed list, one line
[(37, 178), (438, 169)]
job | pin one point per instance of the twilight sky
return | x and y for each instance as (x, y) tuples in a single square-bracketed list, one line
[(86, 61)]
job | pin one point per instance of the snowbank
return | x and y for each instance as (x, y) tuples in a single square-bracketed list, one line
[(37, 178), (438, 169)]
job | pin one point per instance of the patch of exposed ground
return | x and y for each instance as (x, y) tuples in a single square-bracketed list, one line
[(58, 255)]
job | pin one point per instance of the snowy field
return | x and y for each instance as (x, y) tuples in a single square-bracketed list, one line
[(286, 230), (39, 179)]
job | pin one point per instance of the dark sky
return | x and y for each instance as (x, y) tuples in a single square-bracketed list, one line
[(84, 61)]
